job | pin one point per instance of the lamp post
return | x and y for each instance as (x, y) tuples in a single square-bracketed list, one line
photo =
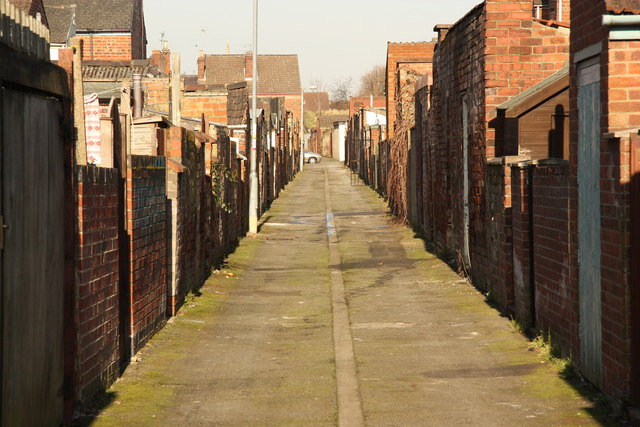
[(253, 175), (302, 148)]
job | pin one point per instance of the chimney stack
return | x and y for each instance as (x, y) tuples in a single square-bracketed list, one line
[(442, 30), (248, 65), (165, 62), (201, 67)]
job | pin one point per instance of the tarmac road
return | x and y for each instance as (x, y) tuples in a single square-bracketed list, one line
[(334, 315)]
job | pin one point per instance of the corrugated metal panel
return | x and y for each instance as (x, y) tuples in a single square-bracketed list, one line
[(589, 222), (116, 72)]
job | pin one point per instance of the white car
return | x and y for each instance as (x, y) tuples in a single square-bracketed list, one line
[(311, 157)]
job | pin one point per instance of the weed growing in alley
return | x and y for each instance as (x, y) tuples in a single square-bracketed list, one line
[(516, 326), (562, 365)]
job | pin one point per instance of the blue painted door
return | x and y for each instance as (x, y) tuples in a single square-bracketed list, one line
[(589, 220)]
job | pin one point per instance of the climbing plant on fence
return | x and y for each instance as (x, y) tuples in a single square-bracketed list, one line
[(220, 176)]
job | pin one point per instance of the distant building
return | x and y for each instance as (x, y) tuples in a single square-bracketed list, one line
[(278, 75), (111, 31), (415, 58), (356, 103), (316, 101)]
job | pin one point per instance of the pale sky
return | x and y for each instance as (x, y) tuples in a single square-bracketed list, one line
[(333, 39)]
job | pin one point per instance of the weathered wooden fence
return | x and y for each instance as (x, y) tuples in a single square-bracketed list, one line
[(34, 184)]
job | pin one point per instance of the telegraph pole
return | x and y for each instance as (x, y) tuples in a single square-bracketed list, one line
[(253, 176)]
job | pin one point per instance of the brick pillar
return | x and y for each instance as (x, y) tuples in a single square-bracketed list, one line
[(174, 146), (521, 217), (201, 67)]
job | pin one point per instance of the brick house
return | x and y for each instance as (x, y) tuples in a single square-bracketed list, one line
[(604, 166), (279, 76), (358, 102), (112, 30)]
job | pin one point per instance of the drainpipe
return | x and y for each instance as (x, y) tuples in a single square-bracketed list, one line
[(622, 27), (137, 95), (619, 20), (559, 11)]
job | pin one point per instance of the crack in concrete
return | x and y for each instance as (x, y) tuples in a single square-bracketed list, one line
[(349, 401)]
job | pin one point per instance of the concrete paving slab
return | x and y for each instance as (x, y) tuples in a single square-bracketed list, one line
[(257, 347)]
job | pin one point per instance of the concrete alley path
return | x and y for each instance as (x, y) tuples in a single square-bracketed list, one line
[(413, 343)]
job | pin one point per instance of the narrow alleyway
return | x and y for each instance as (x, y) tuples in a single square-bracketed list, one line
[(413, 343)]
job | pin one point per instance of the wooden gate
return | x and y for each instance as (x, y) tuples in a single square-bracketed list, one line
[(589, 220), (33, 258)]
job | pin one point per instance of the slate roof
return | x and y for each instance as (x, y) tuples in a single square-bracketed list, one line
[(277, 74), (623, 6), (328, 121), (237, 106), (99, 15), (61, 21), (222, 69)]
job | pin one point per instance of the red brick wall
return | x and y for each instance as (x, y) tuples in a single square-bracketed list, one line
[(156, 93), (541, 233), (620, 94), (458, 70), (621, 88), (356, 103), (214, 106), (106, 47), (146, 224), (494, 53), (293, 104), (186, 190), (616, 265), (520, 52), (499, 272), (97, 271), (556, 295), (402, 52)]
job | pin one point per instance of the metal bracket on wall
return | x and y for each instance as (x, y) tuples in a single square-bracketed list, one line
[(3, 227)]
